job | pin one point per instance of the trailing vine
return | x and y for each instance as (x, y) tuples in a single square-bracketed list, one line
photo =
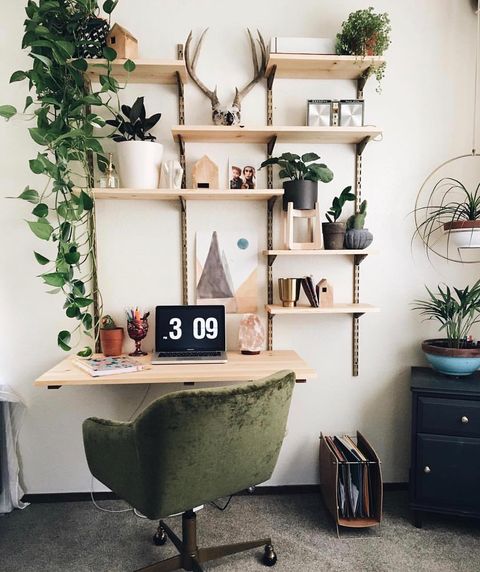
[(68, 123)]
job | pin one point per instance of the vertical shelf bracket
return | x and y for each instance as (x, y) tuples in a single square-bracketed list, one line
[(184, 227), (359, 258), (271, 259), (361, 81), (361, 146), (271, 145)]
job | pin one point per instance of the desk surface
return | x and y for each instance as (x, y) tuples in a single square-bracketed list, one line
[(238, 368)]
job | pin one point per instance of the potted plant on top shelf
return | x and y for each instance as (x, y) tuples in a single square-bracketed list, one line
[(334, 230), (457, 312), (453, 209), (140, 156), (304, 175), (365, 33)]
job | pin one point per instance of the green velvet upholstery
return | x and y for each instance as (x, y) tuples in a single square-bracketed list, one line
[(192, 446)]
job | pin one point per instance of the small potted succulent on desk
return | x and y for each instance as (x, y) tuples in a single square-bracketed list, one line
[(304, 175), (357, 237), (457, 311), (111, 337), (334, 230), (140, 156)]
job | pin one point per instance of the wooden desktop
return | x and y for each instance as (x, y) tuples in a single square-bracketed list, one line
[(239, 368)]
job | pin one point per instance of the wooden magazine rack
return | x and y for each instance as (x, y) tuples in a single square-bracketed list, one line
[(329, 478)]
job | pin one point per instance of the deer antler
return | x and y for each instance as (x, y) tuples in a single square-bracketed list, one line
[(259, 70), (190, 65)]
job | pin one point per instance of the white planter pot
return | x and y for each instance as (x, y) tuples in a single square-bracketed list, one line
[(139, 164), (466, 237)]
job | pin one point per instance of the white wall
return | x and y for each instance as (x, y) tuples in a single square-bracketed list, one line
[(425, 111)]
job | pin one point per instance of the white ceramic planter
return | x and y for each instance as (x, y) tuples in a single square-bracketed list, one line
[(139, 164), (463, 235)]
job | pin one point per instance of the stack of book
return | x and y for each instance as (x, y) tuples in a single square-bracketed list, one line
[(309, 289)]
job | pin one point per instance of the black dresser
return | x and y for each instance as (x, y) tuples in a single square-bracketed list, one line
[(445, 452)]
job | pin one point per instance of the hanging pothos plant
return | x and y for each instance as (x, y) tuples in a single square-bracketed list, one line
[(67, 116)]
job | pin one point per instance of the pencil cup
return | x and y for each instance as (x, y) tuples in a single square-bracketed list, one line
[(289, 291)]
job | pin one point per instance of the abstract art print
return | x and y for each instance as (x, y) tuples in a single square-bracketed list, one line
[(227, 270)]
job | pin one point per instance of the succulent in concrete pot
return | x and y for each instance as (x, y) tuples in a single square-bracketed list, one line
[(334, 231), (357, 237)]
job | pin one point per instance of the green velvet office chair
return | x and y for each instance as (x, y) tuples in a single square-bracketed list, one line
[(191, 447)]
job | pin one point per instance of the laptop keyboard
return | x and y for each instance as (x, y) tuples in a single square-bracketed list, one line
[(189, 354)]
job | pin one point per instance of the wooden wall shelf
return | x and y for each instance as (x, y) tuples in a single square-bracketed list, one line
[(275, 310), (358, 255), (147, 71), (312, 66), (264, 135), (188, 194)]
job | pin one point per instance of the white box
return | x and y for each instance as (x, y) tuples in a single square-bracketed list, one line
[(302, 46)]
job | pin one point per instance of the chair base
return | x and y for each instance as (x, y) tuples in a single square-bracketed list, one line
[(191, 557)]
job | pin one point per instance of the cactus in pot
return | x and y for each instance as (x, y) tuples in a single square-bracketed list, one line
[(357, 237)]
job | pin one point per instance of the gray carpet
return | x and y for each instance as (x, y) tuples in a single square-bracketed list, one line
[(76, 537)]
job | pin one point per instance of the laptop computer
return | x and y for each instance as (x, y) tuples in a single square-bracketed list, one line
[(186, 334)]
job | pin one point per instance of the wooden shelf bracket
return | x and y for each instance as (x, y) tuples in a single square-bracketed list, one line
[(361, 146)]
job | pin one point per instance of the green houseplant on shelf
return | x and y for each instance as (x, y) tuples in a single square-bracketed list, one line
[(303, 174), (66, 115), (140, 156), (357, 237), (365, 33), (111, 337), (334, 231), (453, 210), (457, 311)]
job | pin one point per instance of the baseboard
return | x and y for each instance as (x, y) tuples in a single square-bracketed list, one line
[(267, 490)]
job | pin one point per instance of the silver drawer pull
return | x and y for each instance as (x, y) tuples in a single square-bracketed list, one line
[(464, 419), (427, 470)]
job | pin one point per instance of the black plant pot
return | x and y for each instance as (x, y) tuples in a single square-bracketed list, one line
[(303, 194), (333, 235)]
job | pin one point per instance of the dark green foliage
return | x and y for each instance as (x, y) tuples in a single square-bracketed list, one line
[(338, 203), (295, 168), (137, 125), (456, 311), (66, 116), (108, 323), (357, 220), (365, 33)]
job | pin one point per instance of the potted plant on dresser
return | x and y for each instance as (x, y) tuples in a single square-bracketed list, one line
[(454, 209), (140, 156), (334, 231), (457, 312), (357, 237), (365, 33), (304, 174)]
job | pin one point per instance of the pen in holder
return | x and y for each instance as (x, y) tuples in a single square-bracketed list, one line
[(289, 291), (137, 328)]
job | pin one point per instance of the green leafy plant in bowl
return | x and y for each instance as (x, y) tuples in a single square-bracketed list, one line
[(457, 311), (334, 230)]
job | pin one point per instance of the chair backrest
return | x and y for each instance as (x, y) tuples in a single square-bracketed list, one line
[(197, 445)]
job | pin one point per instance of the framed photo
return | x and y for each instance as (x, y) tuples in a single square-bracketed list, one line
[(241, 176)]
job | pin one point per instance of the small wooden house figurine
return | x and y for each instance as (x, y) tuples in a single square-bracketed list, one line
[(205, 174), (324, 293), (123, 42)]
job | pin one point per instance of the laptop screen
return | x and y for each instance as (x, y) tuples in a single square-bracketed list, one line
[(183, 328)]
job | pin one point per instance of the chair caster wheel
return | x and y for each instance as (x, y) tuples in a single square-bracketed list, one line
[(160, 537), (269, 556)]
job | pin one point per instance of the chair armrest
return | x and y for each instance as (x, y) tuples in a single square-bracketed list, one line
[(111, 453)]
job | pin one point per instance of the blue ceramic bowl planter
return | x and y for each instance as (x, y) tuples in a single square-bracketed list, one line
[(451, 361)]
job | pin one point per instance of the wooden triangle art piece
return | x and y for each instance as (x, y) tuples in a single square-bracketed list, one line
[(205, 174)]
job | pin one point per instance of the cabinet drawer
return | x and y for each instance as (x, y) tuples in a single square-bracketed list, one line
[(444, 416), (447, 472)]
